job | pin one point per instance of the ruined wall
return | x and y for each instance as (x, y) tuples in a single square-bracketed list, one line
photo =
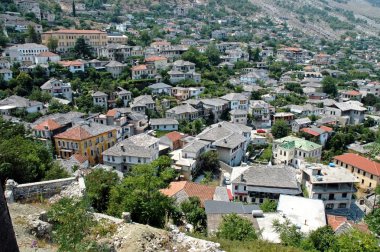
[(32, 191)]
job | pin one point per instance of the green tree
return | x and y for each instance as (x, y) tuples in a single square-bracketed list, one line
[(32, 36), (289, 234), (56, 172), (72, 222), (82, 49), (139, 194), (208, 161), (357, 241), (280, 129), (52, 44), (145, 38), (194, 213), (213, 54), (329, 85), (234, 227), (268, 206), (98, 187), (323, 239)]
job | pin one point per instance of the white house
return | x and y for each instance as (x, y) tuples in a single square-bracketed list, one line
[(100, 99), (24, 53), (236, 100), (137, 149), (58, 88), (46, 57), (164, 124)]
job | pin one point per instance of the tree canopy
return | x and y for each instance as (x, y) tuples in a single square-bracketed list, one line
[(234, 227)]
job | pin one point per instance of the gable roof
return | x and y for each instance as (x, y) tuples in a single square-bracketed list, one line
[(50, 124), (360, 162), (203, 192), (85, 131)]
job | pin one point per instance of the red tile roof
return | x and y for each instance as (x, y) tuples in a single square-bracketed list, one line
[(155, 58), (112, 112), (353, 93), (49, 123), (203, 192), (81, 159), (360, 162), (334, 221), (47, 54), (70, 63), (325, 128), (310, 131), (76, 133), (75, 31), (139, 68), (174, 136)]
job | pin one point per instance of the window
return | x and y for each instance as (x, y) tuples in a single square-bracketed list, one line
[(261, 201), (342, 205), (236, 187), (245, 188), (362, 181), (364, 173), (371, 176), (319, 196), (330, 206), (344, 195)]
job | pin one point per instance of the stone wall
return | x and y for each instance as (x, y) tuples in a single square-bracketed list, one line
[(32, 191)]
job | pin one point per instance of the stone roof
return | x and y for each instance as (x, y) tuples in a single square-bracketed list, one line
[(159, 85), (142, 100), (19, 102), (163, 121), (234, 97), (129, 148), (114, 63), (221, 130), (279, 176), (195, 146), (181, 109), (98, 94), (230, 141)]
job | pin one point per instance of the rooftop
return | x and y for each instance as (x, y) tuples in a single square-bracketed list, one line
[(328, 174), (360, 162), (299, 143)]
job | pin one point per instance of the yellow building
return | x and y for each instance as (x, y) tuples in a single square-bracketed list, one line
[(67, 38), (365, 170), (88, 140)]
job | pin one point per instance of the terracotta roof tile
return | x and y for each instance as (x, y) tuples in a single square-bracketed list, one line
[(75, 31), (76, 133), (174, 136), (360, 162), (310, 131), (81, 159), (49, 123), (139, 68), (203, 192), (155, 58), (325, 128), (353, 93), (70, 63), (112, 112), (334, 221)]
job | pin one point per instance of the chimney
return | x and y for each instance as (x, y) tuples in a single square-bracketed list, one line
[(225, 140), (242, 178), (122, 147)]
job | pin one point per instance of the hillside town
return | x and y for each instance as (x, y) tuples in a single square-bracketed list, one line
[(216, 127)]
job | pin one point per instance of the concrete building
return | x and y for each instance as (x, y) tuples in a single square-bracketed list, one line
[(24, 53), (334, 185), (239, 116), (100, 99)]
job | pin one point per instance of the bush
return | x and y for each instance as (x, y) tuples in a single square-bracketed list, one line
[(234, 227), (268, 206)]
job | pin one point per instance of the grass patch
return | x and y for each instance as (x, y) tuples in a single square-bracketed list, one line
[(160, 133)]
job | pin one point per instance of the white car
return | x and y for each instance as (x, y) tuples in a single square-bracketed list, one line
[(227, 178)]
